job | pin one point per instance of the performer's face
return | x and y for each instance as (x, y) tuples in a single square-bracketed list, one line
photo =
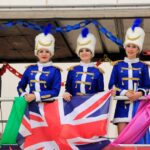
[(85, 55), (44, 55), (132, 51)]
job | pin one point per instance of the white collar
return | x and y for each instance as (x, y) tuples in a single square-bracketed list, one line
[(86, 65), (131, 60), (44, 64)]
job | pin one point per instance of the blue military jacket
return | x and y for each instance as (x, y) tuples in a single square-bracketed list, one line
[(84, 79), (130, 75), (44, 81)]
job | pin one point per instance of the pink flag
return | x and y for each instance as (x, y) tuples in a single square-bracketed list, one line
[(136, 129)]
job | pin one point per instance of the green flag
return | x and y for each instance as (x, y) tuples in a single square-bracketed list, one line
[(12, 127)]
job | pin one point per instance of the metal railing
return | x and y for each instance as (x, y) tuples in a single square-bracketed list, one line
[(4, 121), (112, 109)]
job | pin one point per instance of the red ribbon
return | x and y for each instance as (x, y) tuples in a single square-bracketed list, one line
[(98, 63), (11, 69), (3, 70), (146, 53), (14, 71)]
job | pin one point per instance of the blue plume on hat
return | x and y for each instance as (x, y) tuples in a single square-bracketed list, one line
[(136, 23), (85, 32), (47, 29)]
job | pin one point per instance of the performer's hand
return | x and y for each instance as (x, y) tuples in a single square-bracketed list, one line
[(136, 96), (30, 97), (67, 96), (133, 95), (130, 94), (113, 92)]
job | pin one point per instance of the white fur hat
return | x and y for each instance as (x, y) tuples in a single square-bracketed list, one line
[(44, 41), (135, 35), (86, 40)]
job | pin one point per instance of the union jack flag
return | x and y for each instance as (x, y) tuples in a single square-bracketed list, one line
[(80, 124)]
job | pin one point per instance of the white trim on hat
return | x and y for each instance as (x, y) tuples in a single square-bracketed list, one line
[(44, 41)]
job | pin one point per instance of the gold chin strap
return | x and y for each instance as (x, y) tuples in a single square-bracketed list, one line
[(43, 44), (83, 44), (133, 38)]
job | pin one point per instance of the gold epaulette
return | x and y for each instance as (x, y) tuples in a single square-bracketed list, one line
[(100, 69), (71, 67), (58, 68), (115, 62), (30, 65)]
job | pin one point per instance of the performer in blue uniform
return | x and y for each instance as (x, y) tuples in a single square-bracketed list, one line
[(43, 78), (84, 78), (130, 77)]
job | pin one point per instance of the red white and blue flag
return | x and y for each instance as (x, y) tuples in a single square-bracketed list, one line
[(80, 124)]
